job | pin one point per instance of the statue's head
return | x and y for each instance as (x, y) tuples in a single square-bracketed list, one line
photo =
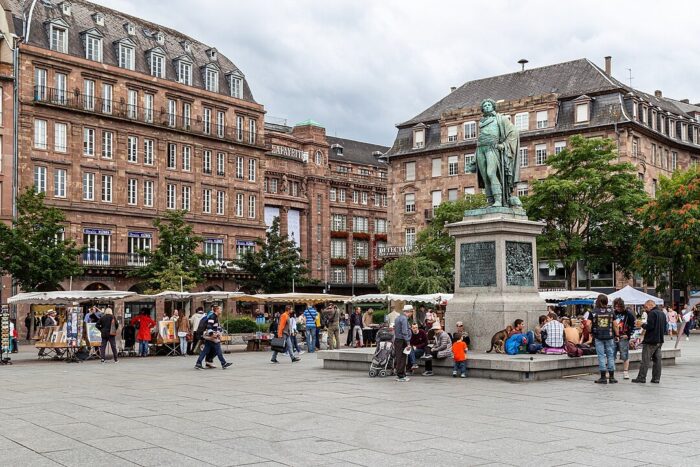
[(488, 106)]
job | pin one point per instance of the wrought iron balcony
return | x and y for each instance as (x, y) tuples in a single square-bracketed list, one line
[(123, 110), (104, 259)]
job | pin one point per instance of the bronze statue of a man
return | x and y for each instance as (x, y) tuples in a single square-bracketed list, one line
[(497, 166)]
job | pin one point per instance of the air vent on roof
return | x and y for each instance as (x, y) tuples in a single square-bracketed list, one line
[(160, 38), (130, 28), (337, 149), (65, 7), (187, 45), (99, 19), (211, 53), (377, 154)]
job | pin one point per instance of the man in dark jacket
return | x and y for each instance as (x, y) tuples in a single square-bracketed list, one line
[(212, 338), (625, 325), (108, 326), (419, 343), (654, 330)]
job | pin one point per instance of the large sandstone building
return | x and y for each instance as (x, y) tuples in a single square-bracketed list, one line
[(548, 105), (122, 120)]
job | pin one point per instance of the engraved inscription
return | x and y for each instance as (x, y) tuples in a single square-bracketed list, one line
[(519, 270), (477, 264)]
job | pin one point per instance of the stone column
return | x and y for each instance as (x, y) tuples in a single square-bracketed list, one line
[(495, 273)]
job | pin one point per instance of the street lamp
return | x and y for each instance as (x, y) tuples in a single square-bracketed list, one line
[(352, 275)]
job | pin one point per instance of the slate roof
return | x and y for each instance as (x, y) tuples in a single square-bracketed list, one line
[(81, 20), (356, 152)]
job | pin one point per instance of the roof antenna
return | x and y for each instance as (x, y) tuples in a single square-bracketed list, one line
[(522, 62), (630, 77)]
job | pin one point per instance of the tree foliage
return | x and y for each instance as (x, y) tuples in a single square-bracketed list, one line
[(30, 250), (670, 236), (431, 268), (588, 204), (275, 263), (414, 274), (175, 262)]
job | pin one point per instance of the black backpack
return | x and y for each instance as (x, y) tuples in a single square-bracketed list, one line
[(203, 323)]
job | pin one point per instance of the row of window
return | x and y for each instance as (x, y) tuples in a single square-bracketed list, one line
[(125, 49), (360, 248), (452, 195), (663, 122), (339, 222), (339, 275), (358, 197), (453, 161), (273, 185), (179, 114), (141, 192)]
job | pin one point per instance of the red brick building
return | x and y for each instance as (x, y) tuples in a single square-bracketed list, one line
[(548, 105)]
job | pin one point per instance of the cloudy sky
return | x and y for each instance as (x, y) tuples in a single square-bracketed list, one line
[(361, 66)]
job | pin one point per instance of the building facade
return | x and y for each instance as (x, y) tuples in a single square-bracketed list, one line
[(330, 195), (548, 105), (120, 121)]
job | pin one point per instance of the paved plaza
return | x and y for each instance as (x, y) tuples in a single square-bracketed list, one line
[(160, 411)]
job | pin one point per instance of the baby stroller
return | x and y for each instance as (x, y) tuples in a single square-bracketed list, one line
[(383, 360)]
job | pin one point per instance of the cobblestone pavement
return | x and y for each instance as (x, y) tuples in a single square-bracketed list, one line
[(160, 411)]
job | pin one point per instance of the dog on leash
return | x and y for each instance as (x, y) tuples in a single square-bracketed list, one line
[(499, 339)]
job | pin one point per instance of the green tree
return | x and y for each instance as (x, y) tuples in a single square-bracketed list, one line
[(276, 262), (434, 242), (30, 250), (414, 274), (670, 236), (588, 204), (175, 262)]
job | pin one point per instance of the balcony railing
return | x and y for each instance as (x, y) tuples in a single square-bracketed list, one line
[(108, 259), (122, 109)]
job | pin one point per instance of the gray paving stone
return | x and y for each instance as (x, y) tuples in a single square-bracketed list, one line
[(158, 456), (87, 457)]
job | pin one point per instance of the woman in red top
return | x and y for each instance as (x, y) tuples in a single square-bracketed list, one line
[(143, 323)]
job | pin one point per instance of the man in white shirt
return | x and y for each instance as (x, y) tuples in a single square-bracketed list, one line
[(196, 337)]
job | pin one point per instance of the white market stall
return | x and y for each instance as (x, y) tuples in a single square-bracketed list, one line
[(632, 296)]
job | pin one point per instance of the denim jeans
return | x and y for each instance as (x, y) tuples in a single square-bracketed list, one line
[(460, 367), (605, 350), (143, 348), (183, 345), (295, 343), (311, 339), (415, 355), (288, 348), (209, 345)]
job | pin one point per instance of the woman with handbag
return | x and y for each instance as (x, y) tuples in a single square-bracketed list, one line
[(108, 326), (183, 332)]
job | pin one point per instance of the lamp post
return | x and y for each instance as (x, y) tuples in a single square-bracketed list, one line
[(352, 276)]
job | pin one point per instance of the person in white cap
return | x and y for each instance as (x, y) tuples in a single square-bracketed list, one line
[(441, 349), (402, 340)]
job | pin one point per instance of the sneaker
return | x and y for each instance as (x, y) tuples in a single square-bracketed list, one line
[(198, 366), (103, 360), (462, 375), (296, 359), (301, 352), (226, 365), (414, 367), (427, 357), (116, 361), (274, 360), (454, 374), (687, 338), (655, 381), (209, 365), (427, 373), (403, 380), (637, 380), (626, 375)]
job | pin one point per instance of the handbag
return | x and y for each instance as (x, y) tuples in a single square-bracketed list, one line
[(278, 344), (188, 336), (113, 327)]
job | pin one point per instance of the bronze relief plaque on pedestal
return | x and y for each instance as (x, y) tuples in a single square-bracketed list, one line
[(519, 269), (477, 264)]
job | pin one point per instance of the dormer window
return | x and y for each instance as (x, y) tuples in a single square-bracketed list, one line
[(59, 38), (211, 53), (187, 45), (160, 38), (419, 138), (130, 29), (65, 8), (211, 79), (93, 47), (157, 62), (126, 56), (236, 85), (184, 72), (582, 109), (337, 149), (99, 19)]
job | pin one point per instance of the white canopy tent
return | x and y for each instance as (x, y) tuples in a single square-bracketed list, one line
[(436, 298), (298, 297), (632, 296), (68, 296)]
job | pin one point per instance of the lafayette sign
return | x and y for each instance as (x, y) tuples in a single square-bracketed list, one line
[(220, 264), (290, 152)]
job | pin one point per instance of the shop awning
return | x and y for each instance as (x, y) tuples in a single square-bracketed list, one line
[(68, 297)]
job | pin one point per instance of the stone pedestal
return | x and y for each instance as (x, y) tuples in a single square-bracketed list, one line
[(495, 273)]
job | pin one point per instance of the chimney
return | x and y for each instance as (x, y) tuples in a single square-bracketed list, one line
[(608, 65), (658, 94), (452, 88), (685, 101)]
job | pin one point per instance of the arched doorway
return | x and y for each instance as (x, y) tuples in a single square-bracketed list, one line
[(214, 288), (97, 286), (139, 288)]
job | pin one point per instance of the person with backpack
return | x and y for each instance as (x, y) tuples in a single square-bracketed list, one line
[(604, 330), (310, 315), (212, 338), (332, 324), (625, 321), (143, 324), (108, 327)]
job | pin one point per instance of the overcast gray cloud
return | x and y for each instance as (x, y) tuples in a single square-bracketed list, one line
[(361, 66)]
